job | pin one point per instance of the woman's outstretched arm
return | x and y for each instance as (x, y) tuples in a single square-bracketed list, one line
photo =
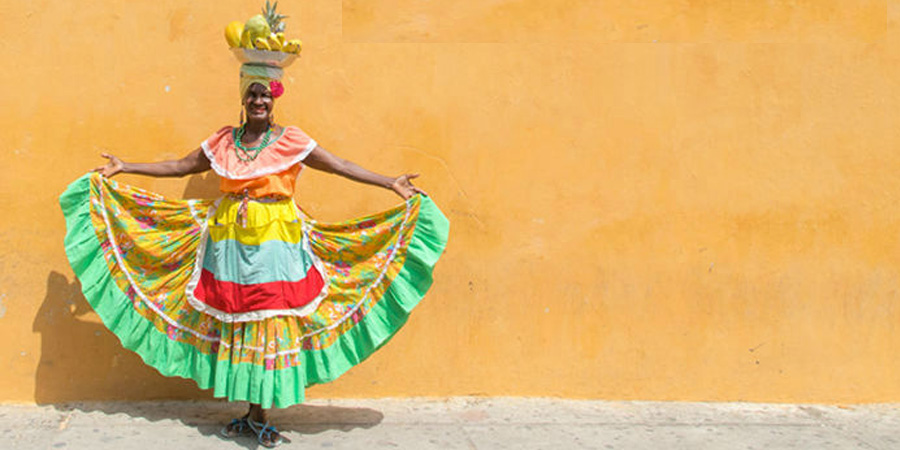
[(321, 159), (194, 162)]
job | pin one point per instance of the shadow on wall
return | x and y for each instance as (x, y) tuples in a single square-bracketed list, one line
[(81, 360), (82, 363), (204, 185)]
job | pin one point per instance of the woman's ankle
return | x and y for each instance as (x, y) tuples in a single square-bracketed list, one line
[(257, 414)]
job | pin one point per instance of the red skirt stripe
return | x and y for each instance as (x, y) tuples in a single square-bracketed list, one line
[(232, 297)]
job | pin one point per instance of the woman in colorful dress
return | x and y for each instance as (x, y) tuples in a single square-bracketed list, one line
[(243, 294)]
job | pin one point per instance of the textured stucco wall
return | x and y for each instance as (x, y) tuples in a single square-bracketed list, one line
[(686, 200)]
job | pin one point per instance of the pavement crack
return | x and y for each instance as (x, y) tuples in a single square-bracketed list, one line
[(64, 422), (823, 420), (469, 442)]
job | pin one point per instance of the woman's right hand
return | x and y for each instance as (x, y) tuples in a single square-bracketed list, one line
[(114, 166)]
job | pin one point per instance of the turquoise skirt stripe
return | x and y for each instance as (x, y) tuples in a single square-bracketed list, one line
[(229, 260)]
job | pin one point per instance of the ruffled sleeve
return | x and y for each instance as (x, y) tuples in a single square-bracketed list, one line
[(215, 142), (295, 138), (288, 150)]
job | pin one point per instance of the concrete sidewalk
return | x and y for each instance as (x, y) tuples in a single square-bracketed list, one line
[(459, 423)]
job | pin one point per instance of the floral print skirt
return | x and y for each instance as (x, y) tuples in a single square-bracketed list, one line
[(247, 298)]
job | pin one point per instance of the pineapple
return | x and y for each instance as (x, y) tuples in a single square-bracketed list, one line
[(274, 19)]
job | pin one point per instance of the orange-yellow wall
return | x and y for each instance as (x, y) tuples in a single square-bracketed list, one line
[(671, 200)]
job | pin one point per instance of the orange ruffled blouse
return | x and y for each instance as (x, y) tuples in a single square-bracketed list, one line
[(273, 172)]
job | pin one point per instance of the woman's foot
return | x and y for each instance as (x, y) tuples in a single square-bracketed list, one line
[(237, 427), (267, 435)]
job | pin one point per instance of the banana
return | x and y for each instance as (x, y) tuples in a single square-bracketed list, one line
[(245, 39), (274, 43), (261, 44), (293, 46)]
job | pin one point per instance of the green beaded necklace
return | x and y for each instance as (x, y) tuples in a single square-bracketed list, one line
[(247, 154)]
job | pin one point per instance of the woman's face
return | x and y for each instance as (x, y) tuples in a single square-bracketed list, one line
[(258, 103)]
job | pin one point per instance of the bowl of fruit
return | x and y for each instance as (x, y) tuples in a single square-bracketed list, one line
[(261, 39)]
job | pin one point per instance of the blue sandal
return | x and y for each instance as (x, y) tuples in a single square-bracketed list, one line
[(237, 427), (267, 436)]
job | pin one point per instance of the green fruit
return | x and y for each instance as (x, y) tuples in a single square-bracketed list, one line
[(256, 27)]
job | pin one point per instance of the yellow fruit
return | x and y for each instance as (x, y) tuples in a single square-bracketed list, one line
[(280, 37), (274, 43), (233, 33), (245, 39), (293, 46), (261, 44)]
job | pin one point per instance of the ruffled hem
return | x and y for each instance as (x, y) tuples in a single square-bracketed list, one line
[(249, 382)]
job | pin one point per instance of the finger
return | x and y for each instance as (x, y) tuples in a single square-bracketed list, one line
[(410, 176), (106, 155), (421, 191)]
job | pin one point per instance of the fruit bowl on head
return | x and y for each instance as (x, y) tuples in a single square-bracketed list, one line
[(264, 57)]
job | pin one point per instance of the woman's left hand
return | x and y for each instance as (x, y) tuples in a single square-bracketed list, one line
[(404, 187)]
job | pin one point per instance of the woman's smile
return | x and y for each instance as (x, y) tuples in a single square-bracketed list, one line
[(258, 102)]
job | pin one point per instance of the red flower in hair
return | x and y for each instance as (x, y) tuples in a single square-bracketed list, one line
[(276, 88)]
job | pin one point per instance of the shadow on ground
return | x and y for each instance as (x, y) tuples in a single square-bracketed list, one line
[(208, 418)]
